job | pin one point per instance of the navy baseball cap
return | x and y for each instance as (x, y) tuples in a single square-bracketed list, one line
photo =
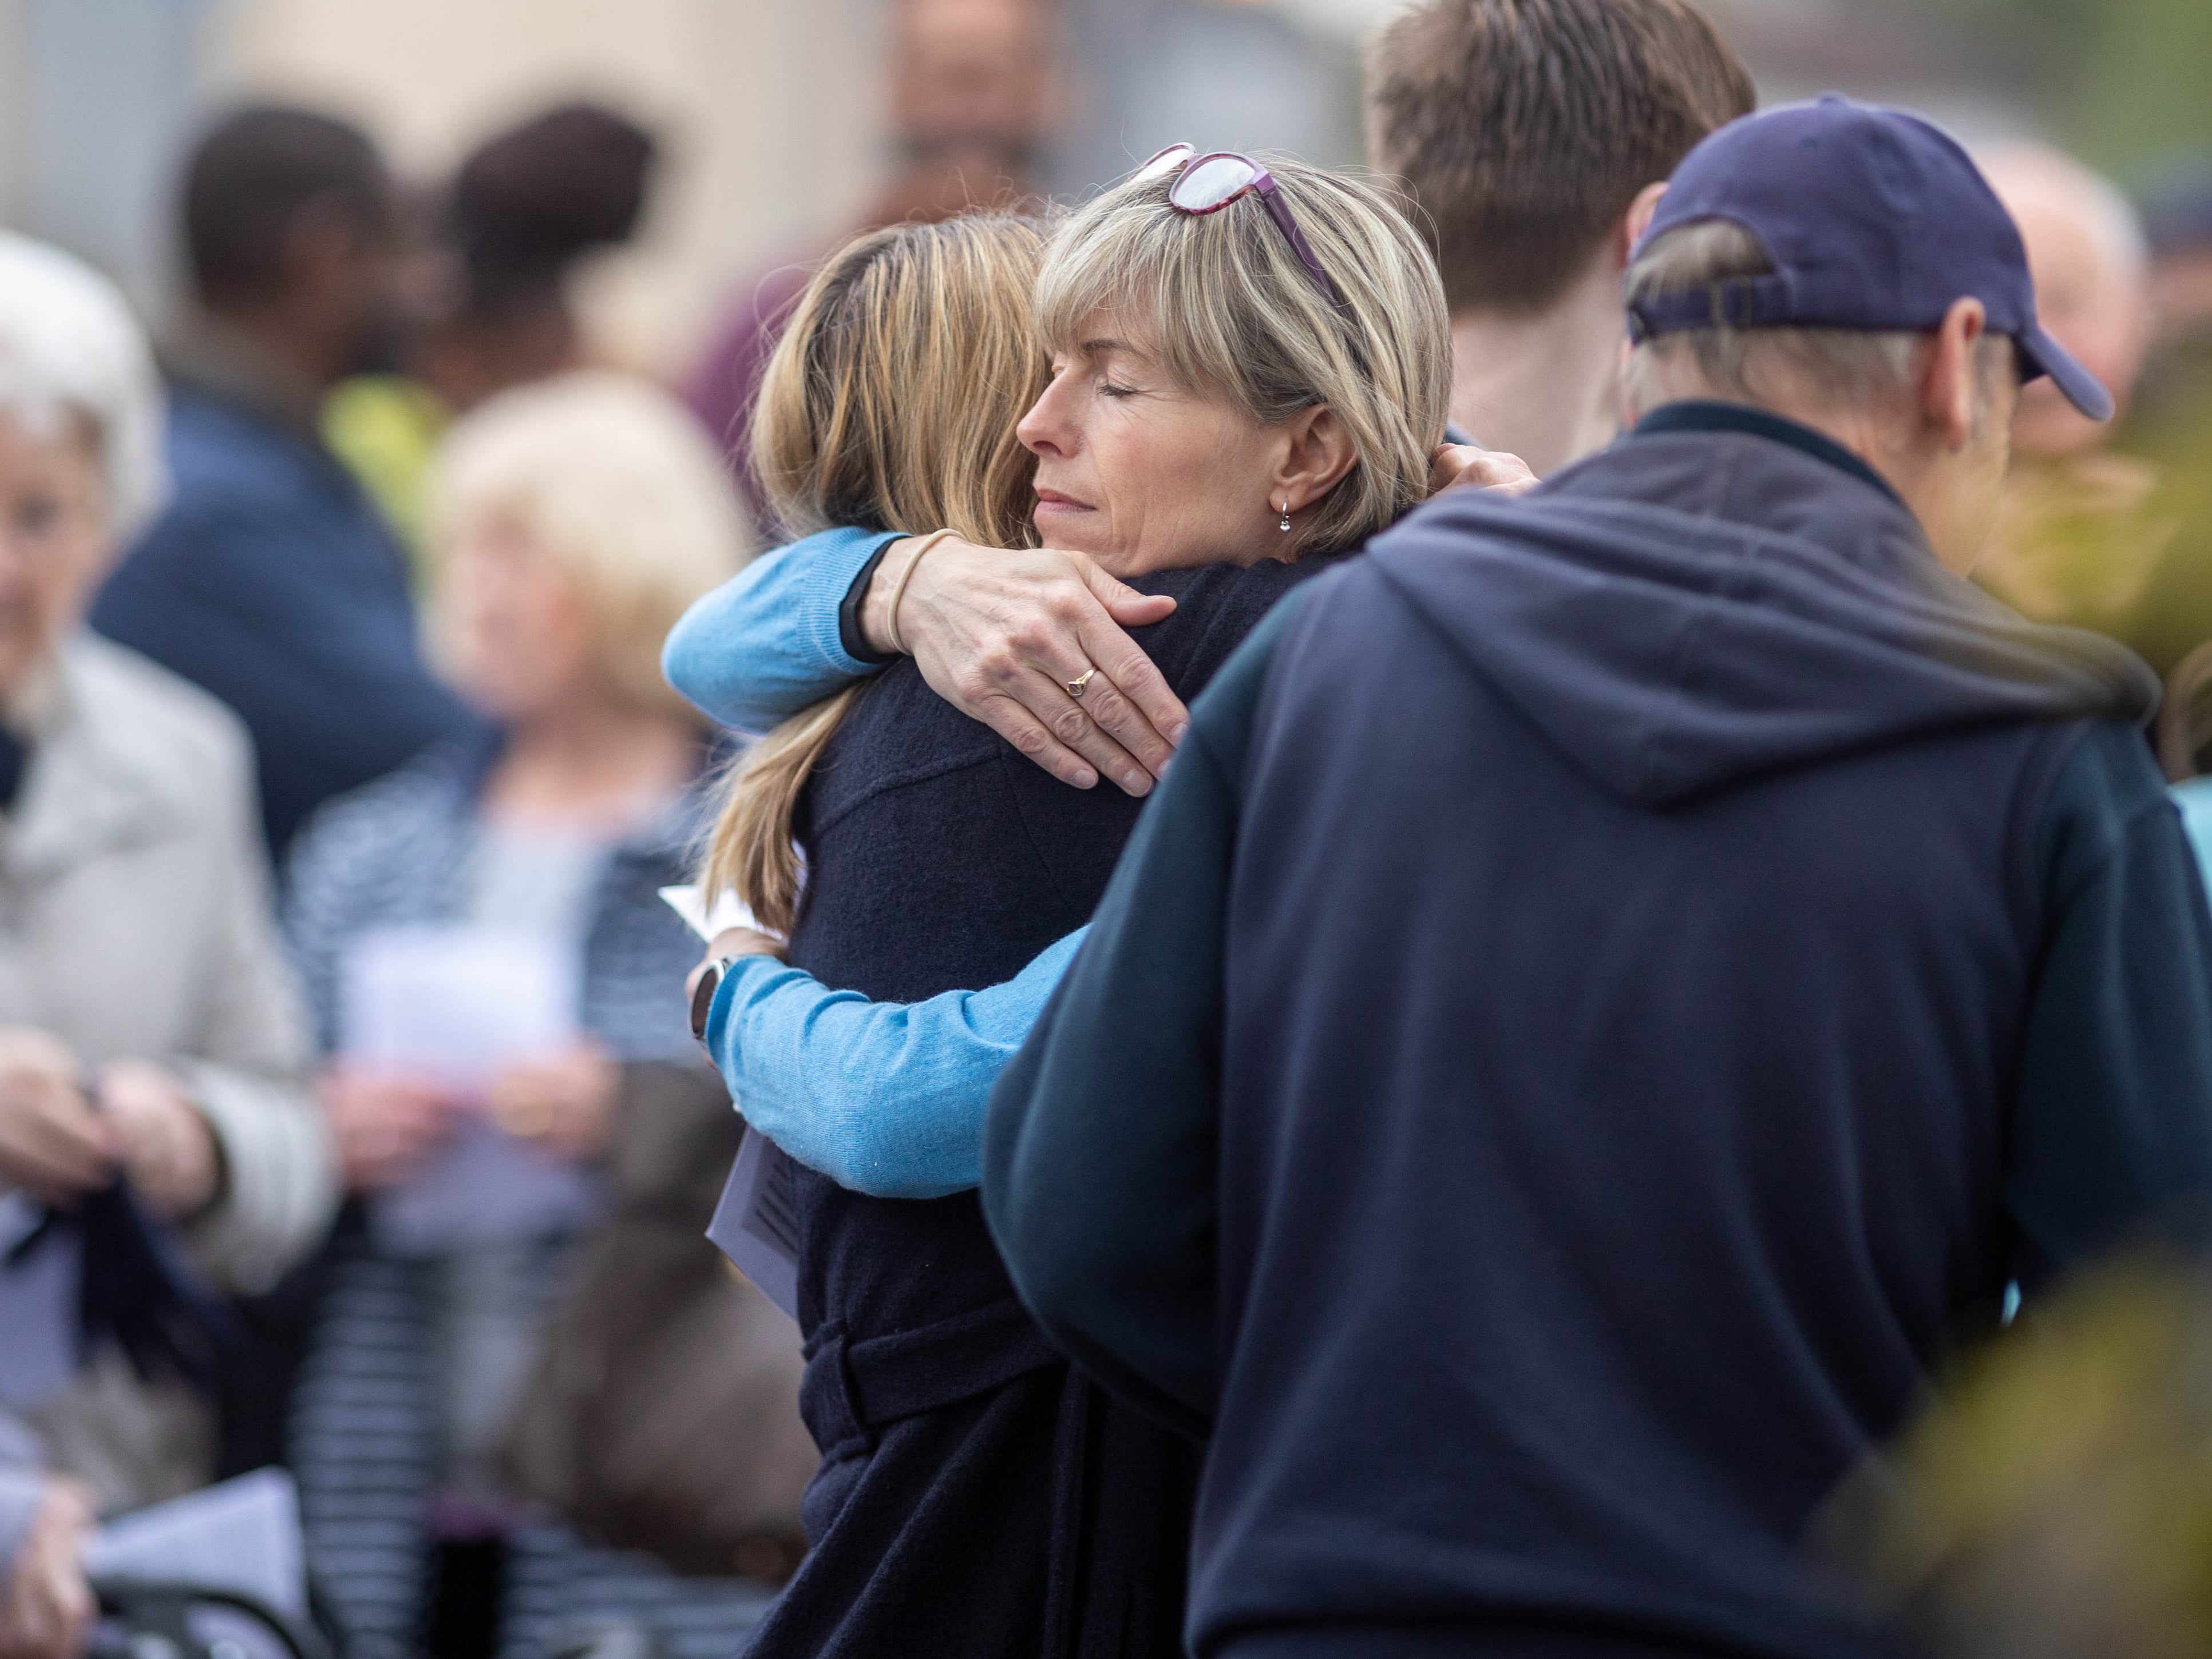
[(1874, 219)]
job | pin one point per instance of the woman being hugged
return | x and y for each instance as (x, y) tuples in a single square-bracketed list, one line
[(1232, 396)]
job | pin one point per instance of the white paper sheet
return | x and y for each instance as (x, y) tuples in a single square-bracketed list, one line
[(729, 911), (39, 1298), (242, 1535), (756, 1222), (459, 1004)]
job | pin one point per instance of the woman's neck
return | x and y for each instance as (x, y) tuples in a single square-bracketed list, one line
[(592, 767)]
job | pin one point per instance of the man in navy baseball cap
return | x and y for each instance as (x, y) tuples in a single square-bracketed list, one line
[(1844, 265), (1628, 976), (1872, 219)]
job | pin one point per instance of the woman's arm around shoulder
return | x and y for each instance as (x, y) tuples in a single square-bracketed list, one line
[(768, 643), (885, 1098)]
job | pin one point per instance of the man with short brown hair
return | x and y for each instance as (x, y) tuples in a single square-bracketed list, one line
[(1525, 130)]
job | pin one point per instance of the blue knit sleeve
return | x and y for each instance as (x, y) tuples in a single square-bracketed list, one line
[(765, 645), (885, 1098)]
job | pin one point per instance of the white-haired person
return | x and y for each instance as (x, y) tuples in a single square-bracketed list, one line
[(574, 521), (2082, 528), (149, 1027)]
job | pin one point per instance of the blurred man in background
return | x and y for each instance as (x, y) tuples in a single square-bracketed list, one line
[(2080, 530), (1527, 130), (968, 87), (2172, 426), (270, 580), (494, 249), (2178, 217)]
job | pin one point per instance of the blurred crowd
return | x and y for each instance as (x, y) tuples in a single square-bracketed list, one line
[(350, 1119)]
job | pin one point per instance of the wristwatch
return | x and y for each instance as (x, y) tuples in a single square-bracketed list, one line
[(702, 994)]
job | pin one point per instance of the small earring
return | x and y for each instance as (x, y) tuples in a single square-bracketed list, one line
[(1286, 518)]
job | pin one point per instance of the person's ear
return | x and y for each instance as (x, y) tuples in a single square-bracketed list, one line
[(1317, 452), (1633, 224), (1949, 388)]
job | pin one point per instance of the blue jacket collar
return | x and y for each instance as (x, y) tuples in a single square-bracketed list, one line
[(1709, 415)]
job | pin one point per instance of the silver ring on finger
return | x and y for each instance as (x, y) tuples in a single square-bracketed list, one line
[(1077, 688)]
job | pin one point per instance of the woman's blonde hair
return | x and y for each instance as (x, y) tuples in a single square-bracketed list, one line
[(889, 402), (613, 479), (1233, 312)]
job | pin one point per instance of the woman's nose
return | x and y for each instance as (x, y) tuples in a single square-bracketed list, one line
[(1046, 428)]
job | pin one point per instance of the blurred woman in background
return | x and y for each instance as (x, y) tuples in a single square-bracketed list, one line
[(150, 1032), (574, 520)]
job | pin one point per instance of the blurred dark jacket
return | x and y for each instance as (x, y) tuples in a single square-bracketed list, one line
[(272, 582), (1611, 992)]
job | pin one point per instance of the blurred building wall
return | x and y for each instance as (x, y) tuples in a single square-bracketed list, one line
[(1219, 74), (93, 97)]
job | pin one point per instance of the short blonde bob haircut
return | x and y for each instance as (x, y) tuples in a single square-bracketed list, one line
[(1230, 312), (891, 403), (614, 480)]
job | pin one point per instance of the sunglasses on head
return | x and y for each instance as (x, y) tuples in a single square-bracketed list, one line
[(1208, 184)]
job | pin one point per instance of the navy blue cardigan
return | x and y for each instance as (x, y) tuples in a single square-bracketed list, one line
[(939, 859)]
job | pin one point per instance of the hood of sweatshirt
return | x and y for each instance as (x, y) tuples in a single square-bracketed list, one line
[(1688, 610)]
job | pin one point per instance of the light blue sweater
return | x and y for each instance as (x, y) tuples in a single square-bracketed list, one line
[(886, 1098), (2194, 797)]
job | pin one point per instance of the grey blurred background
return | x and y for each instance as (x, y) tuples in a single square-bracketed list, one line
[(779, 133)]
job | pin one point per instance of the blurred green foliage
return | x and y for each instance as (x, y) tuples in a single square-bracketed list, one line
[(2129, 82)]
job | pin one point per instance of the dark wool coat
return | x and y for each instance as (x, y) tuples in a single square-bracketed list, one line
[(976, 1497)]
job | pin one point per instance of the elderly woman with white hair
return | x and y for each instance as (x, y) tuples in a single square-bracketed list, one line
[(149, 1031), (574, 521)]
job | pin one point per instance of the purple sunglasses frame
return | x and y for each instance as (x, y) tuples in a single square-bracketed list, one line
[(1181, 158)]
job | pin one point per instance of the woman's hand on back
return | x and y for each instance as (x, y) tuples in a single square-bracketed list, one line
[(1000, 633), (1468, 466)]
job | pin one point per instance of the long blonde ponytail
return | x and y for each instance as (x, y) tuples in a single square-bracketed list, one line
[(889, 402)]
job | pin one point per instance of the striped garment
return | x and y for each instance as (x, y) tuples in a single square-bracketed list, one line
[(366, 1428)]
